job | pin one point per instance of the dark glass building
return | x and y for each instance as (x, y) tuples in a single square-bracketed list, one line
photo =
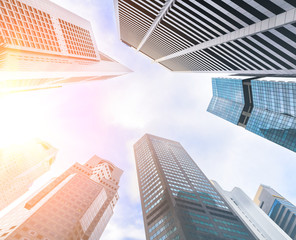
[(178, 200), (279, 209), (267, 108)]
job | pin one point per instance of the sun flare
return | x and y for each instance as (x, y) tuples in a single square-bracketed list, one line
[(18, 119)]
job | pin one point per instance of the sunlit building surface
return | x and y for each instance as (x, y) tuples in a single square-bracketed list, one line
[(178, 201), (266, 108), (48, 46), (76, 205), (251, 37), (260, 224), (279, 209), (21, 165)]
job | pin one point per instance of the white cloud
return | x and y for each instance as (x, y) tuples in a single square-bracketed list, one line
[(120, 231), (126, 223)]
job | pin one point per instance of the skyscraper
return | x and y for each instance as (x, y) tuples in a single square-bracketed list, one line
[(178, 201), (266, 108), (260, 224), (250, 37), (21, 165), (76, 205), (279, 209), (48, 46)]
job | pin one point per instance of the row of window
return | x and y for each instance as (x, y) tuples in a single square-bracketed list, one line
[(159, 231), (151, 189), (154, 198), (146, 187), (162, 220)]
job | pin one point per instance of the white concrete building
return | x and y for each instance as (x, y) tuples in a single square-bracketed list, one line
[(257, 221), (48, 46)]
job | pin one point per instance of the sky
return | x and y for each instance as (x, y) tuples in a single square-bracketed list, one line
[(107, 117)]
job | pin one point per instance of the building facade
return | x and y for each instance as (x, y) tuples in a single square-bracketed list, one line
[(49, 46), (260, 224), (251, 37), (279, 209), (21, 165), (266, 108), (76, 205), (178, 201)]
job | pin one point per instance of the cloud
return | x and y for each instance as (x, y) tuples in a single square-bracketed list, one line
[(126, 224)]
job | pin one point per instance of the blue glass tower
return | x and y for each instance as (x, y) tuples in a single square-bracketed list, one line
[(279, 209), (267, 108), (178, 201)]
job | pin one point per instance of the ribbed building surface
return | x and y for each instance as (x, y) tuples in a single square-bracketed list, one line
[(261, 225), (178, 201), (76, 205), (279, 209), (266, 108), (21, 165), (48, 46), (238, 36)]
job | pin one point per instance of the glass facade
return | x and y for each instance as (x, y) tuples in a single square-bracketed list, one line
[(274, 113), (273, 107), (228, 99), (178, 201)]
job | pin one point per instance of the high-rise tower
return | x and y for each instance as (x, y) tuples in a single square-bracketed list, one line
[(21, 165), (259, 223), (246, 37), (48, 46), (178, 201), (76, 205), (279, 209), (266, 108)]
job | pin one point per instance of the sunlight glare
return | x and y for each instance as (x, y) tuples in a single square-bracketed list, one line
[(18, 119)]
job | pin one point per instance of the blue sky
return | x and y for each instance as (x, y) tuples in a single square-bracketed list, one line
[(113, 114)]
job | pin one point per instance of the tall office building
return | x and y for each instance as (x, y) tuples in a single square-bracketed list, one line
[(250, 37), (279, 209), (266, 108), (21, 165), (261, 225), (76, 205), (178, 201), (48, 46)]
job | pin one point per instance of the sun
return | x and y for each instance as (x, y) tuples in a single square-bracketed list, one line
[(18, 119)]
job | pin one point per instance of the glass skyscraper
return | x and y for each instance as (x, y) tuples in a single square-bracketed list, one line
[(267, 108), (279, 209), (178, 201)]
